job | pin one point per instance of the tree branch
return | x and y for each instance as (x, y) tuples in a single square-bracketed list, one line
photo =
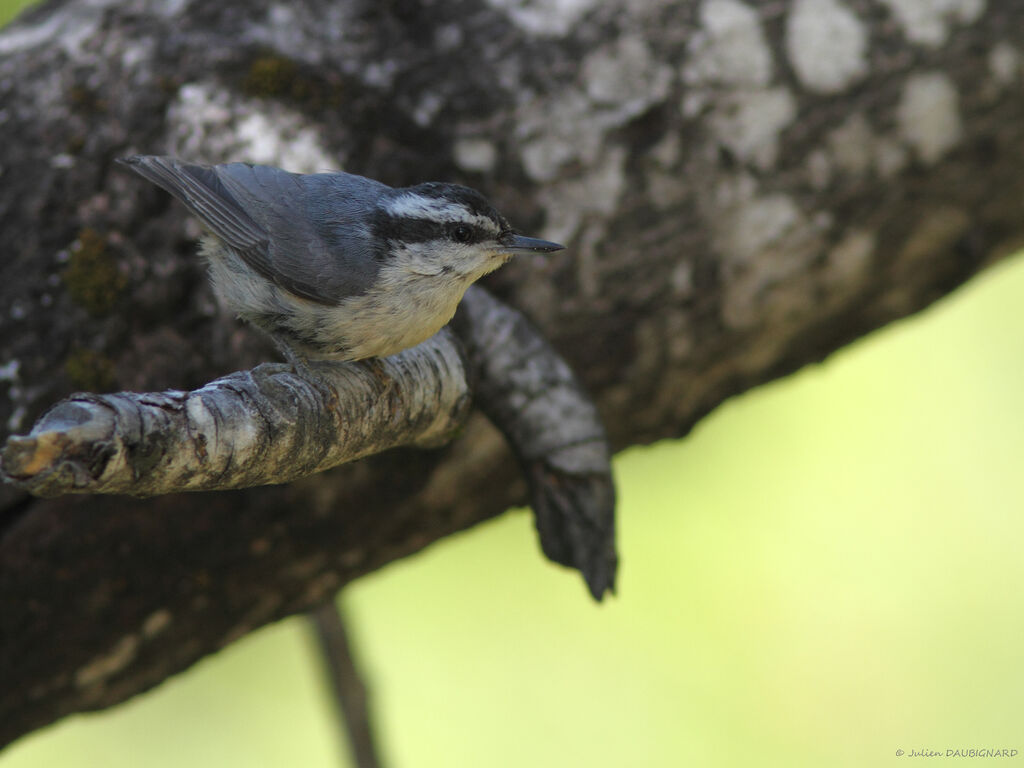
[(258, 427), (530, 393)]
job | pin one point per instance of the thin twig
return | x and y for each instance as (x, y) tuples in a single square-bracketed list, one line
[(346, 683)]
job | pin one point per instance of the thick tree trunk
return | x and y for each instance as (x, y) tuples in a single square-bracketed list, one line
[(744, 186)]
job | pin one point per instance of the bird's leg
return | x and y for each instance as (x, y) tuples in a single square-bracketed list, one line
[(376, 367), (301, 367)]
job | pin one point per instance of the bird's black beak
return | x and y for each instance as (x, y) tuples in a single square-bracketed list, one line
[(517, 244)]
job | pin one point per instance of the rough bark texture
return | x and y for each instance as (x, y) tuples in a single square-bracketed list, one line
[(260, 427), (745, 187), (553, 427)]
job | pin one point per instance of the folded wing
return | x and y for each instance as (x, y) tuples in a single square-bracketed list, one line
[(306, 233)]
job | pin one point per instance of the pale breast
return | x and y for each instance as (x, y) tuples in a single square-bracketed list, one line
[(393, 317)]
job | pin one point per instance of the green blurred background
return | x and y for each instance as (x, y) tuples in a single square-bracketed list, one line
[(823, 573)]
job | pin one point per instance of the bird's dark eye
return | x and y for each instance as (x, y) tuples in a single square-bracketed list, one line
[(461, 233)]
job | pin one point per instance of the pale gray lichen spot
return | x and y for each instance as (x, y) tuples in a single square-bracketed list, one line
[(757, 224), (554, 133), (379, 74), (929, 115), (1004, 62), (822, 220), (749, 123), (198, 109), (16, 418), (9, 371), (281, 15), (426, 110), (728, 70), (600, 189), (765, 242), (891, 157), (818, 168), (546, 18), (109, 664), (681, 279), (15, 393), (594, 194), (283, 138), (928, 22), (852, 145), (208, 122), (619, 81), (448, 37), (168, 8), (694, 102), (625, 75), (475, 154), (826, 44), (667, 152), (666, 189), (729, 48), (136, 53), (578, 208), (295, 35), (730, 192)]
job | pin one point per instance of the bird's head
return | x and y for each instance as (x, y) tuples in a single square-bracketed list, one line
[(448, 229)]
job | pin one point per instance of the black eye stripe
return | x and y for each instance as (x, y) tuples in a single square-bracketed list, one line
[(412, 230), (407, 230)]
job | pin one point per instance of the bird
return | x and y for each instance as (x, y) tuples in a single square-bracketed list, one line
[(336, 266)]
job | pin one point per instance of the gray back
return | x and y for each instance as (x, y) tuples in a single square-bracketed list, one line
[(307, 233)]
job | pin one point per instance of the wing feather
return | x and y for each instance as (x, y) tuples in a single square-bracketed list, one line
[(303, 232)]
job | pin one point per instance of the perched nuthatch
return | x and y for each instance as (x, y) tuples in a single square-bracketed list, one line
[(336, 266)]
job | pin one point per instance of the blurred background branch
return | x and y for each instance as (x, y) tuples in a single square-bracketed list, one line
[(350, 692)]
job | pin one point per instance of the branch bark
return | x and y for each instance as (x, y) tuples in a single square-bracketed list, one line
[(258, 427), (530, 393), (739, 198)]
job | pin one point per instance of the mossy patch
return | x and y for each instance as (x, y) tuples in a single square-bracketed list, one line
[(92, 277), (90, 371), (270, 76), (87, 100), (75, 145), (277, 77)]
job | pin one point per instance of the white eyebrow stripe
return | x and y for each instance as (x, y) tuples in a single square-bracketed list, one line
[(413, 206)]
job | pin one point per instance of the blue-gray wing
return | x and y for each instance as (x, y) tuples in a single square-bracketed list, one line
[(307, 233)]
